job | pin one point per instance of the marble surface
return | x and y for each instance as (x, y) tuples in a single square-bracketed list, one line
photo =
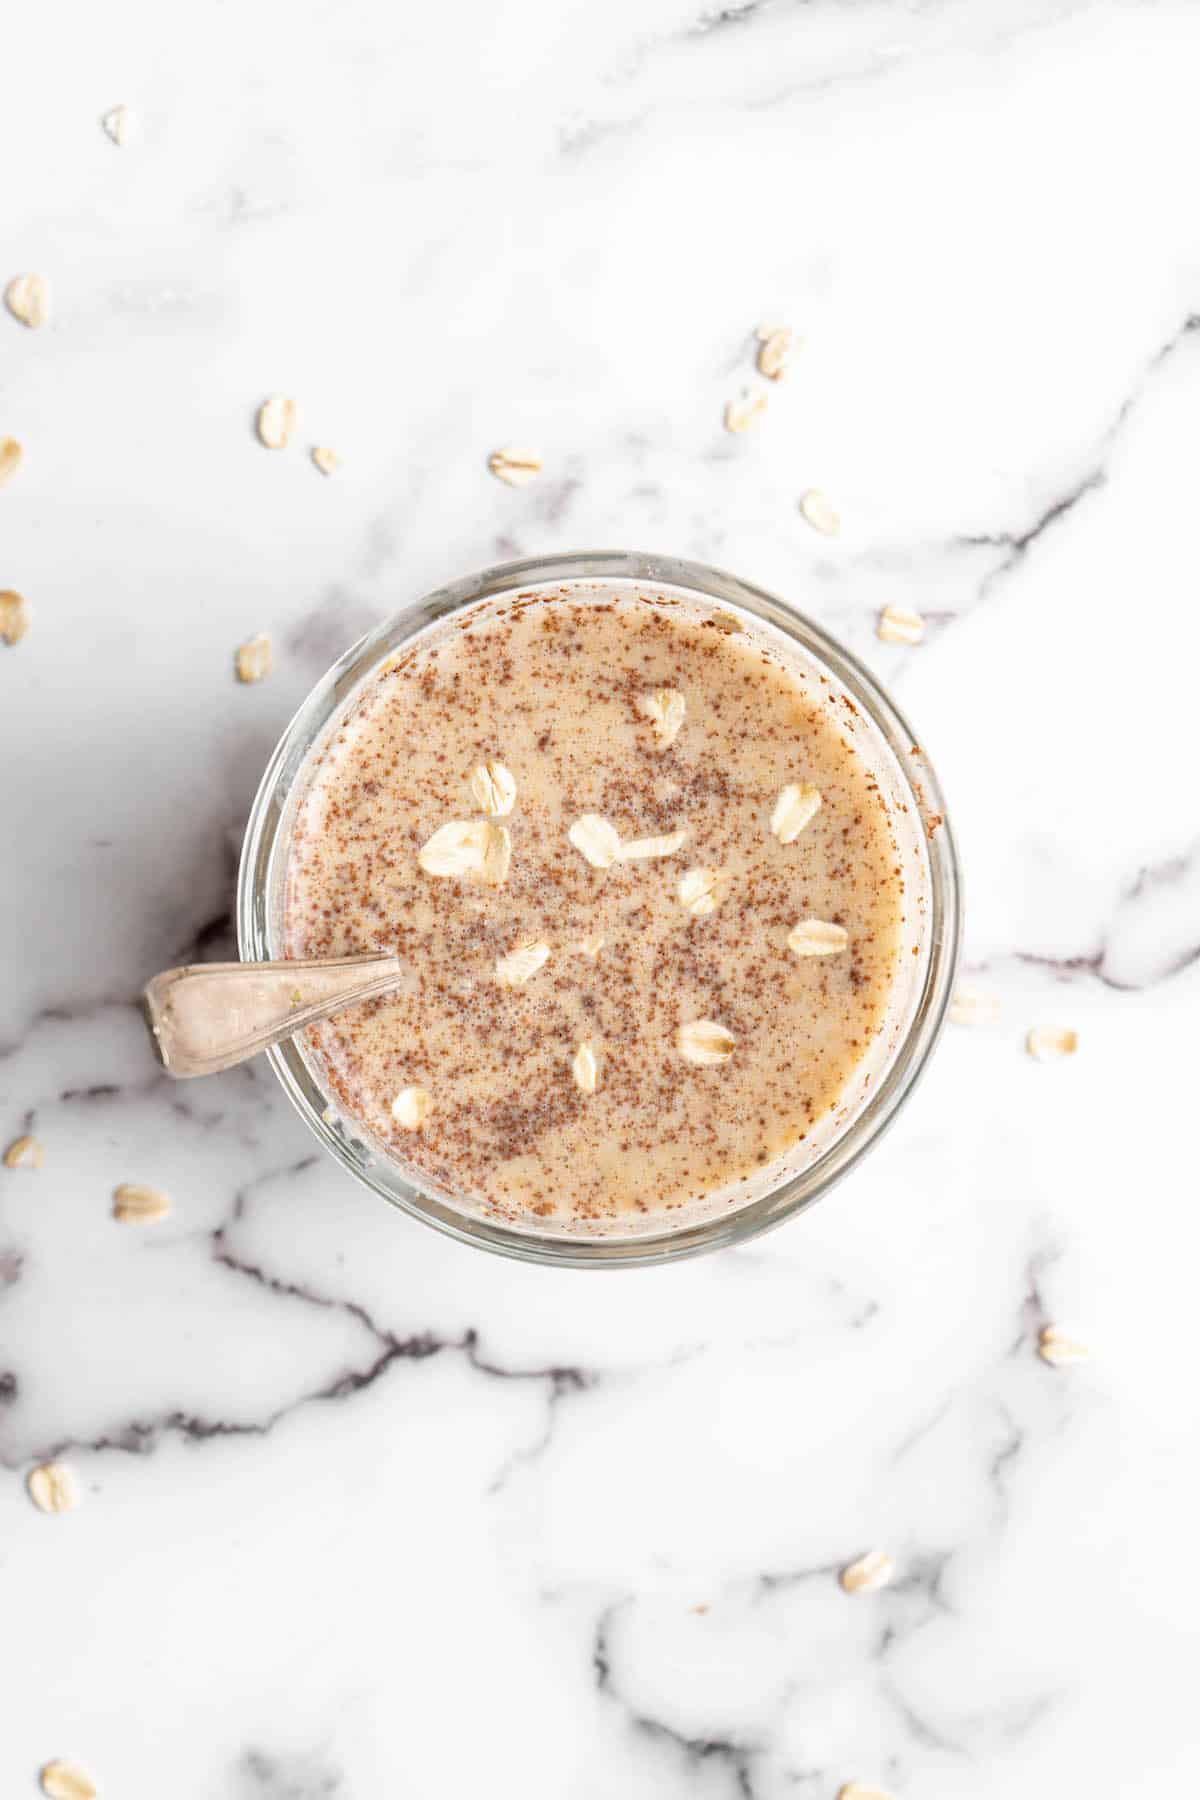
[(366, 1512)]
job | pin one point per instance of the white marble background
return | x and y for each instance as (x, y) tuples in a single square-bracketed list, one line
[(364, 1512)]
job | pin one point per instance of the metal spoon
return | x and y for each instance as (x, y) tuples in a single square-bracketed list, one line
[(209, 1016)]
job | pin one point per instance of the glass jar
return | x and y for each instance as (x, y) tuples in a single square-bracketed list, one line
[(926, 965)]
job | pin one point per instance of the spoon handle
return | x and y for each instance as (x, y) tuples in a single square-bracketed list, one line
[(210, 1016)]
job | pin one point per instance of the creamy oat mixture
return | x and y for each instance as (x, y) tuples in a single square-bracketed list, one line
[(646, 887)]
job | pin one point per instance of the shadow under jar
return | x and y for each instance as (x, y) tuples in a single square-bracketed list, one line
[(675, 704)]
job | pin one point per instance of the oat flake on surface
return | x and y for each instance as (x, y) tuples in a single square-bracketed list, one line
[(25, 1153), (11, 458), (14, 616), (516, 468), (972, 1005), (746, 410), (818, 513), (119, 125), (61, 1780), (135, 1204), (776, 353), (1047, 1043), (53, 1488), (253, 661), (900, 625), (1059, 1348), (27, 298), (866, 1574), (276, 421)]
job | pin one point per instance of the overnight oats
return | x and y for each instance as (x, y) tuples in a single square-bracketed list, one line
[(661, 888)]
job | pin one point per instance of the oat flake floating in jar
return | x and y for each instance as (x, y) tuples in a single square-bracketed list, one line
[(704, 1042), (583, 1069), (411, 1107), (468, 850), (698, 891), (596, 840), (521, 964), (817, 937), (666, 710), (797, 805), (646, 849), (493, 789)]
